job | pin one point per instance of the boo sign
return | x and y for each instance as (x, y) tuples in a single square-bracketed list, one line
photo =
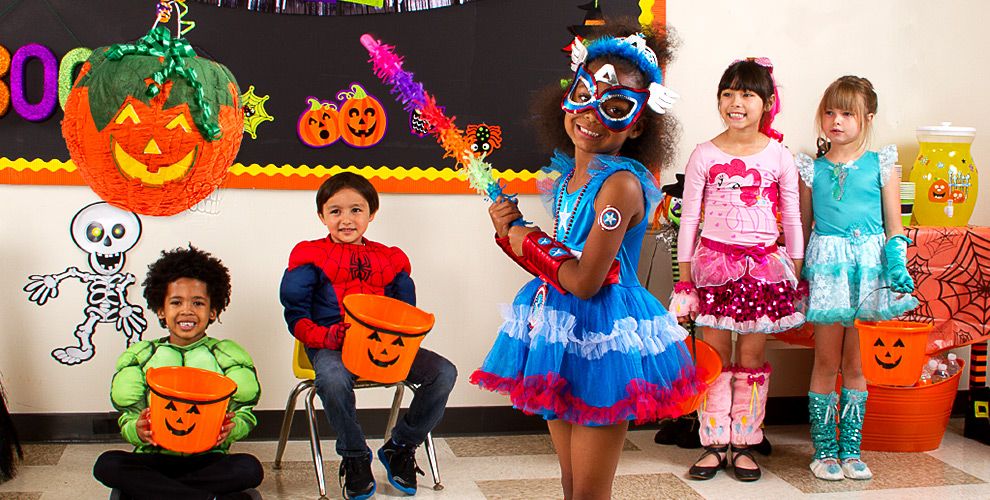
[(56, 79)]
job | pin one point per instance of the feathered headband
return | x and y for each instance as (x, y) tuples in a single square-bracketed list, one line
[(632, 48)]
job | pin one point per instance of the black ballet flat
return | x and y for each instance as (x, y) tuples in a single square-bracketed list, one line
[(703, 473), (745, 475)]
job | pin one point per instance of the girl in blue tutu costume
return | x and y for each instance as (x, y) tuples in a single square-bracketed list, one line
[(854, 264), (584, 344)]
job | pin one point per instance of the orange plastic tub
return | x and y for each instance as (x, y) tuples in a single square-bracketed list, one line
[(909, 418), (893, 352), (708, 365), (187, 407), (384, 336)]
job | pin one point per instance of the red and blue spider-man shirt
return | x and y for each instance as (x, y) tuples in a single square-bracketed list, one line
[(321, 273)]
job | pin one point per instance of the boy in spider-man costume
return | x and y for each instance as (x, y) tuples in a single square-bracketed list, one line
[(320, 274)]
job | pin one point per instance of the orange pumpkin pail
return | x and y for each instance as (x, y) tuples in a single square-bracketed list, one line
[(383, 338), (708, 365), (909, 419), (187, 407), (893, 352)]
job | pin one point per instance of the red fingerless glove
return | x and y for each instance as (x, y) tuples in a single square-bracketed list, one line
[(545, 255), (506, 247), (335, 336)]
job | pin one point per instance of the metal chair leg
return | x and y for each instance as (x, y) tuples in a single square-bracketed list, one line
[(314, 442), (393, 415), (431, 456), (290, 408), (431, 453)]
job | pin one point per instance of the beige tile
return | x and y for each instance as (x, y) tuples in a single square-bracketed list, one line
[(20, 495), (503, 446), (43, 454), (297, 479), (890, 470), (634, 486)]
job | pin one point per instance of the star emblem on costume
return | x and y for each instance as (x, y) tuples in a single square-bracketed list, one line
[(610, 218)]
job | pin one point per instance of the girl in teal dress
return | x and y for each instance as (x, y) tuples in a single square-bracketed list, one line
[(854, 264)]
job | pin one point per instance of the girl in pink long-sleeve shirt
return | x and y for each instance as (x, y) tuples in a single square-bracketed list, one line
[(735, 278)]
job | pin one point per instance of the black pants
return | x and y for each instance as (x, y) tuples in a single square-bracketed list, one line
[(156, 476)]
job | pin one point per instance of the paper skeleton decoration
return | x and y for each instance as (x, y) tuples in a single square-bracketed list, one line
[(106, 233)]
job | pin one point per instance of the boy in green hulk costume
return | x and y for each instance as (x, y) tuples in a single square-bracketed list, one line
[(188, 289)]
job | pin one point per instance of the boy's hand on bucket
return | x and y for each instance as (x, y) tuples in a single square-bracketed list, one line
[(144, 427), (335, 336), (228, 425)]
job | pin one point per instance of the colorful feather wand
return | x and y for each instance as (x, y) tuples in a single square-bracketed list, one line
[(387, 66)]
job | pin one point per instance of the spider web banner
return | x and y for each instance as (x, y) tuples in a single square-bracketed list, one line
[(951, 270)]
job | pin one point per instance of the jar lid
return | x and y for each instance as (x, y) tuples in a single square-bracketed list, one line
[(946, 129)]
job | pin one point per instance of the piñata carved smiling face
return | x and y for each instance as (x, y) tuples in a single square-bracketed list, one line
[(152, 127)]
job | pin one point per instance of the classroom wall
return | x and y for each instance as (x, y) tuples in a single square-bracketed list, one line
[(928, 61)]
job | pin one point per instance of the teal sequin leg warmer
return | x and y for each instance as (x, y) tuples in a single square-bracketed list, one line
[(853, 405), (822, 411)]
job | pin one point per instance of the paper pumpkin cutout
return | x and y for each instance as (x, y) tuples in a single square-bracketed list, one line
[(484, 139), (254, 111), (152, 127), (318, 126), (362, 118), (44, 108)]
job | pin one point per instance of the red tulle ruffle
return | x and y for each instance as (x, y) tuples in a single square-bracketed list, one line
[(539, 394)]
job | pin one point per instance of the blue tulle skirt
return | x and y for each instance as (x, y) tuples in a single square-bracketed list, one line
[(616, 356), (846, 280)]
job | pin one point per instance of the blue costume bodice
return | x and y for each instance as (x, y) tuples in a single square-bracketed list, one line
[(846, 197), (585, 215)]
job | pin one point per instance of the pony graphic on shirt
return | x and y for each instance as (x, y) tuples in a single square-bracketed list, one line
[(734, 180)]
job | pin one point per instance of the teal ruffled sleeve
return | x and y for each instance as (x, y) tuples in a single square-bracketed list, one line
[(887, 157), (806, 167)]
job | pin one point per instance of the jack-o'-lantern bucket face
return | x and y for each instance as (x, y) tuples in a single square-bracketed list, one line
[(893, 352), (383, 338), (187, 407)]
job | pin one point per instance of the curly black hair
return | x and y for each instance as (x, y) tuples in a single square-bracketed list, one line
[(655, 147), (187, 263)]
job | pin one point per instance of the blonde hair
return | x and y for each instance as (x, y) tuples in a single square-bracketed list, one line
[(850, 93)]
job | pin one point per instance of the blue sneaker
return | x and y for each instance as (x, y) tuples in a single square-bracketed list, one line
[(400, 464), (357, 482)]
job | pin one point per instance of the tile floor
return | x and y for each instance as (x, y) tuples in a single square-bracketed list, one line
[(524, 466)]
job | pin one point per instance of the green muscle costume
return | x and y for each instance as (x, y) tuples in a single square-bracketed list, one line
[(129, 389)]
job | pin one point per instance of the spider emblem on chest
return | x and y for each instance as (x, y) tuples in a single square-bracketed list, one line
[(360, 267)]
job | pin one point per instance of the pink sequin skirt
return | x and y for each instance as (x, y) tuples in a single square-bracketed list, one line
[(746, 289)]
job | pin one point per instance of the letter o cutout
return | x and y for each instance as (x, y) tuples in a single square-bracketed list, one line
[(44, 108), (4, 90), (70, 61)]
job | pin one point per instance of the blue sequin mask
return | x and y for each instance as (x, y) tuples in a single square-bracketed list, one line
[(617, 107)]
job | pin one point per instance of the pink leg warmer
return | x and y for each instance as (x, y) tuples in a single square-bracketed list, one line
[(714, 412), (749, 402)]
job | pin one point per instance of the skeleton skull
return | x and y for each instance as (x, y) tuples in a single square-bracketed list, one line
[(105, 232)]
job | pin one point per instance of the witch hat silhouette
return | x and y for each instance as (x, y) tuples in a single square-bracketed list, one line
[(593, 20)]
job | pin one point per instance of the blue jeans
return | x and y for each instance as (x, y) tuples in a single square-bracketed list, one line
[(434, 375)]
